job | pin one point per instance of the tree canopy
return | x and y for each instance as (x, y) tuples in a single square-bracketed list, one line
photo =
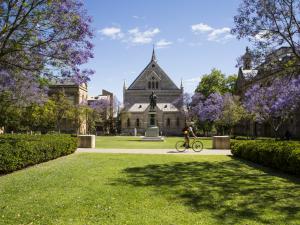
[(216, 82), (269, 25), (43, 39), (275, 103)]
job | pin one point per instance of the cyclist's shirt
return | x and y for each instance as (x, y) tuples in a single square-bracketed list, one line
[(187, 130)]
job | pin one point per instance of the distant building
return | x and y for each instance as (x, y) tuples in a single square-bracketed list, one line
[(263, 74), (136, 102), (77, 94), (106, 126)]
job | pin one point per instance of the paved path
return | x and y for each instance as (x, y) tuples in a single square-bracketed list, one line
[(154, 151)]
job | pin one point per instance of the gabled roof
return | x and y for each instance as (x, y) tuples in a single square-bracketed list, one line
[(150, 68), (138, 107), (142, 107), (167, 107)]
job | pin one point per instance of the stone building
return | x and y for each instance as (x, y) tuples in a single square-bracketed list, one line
[(107, 125), (136, 103), (263, 74), (77, 94)]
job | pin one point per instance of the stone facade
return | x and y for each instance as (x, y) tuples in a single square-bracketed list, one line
[(263, 74), (77, 94), (169, 118)]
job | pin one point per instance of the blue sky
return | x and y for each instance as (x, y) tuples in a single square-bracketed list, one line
[(191, 38)]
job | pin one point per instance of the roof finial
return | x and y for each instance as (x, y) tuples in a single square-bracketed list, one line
[(247, 59), (153, 58), (247, 49), (181, 85), (124, 85)]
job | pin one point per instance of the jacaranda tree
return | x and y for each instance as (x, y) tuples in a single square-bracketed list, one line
[(221, 111), (274, 104), (41, 40), (45, 37), (269, 25), (206, 110)]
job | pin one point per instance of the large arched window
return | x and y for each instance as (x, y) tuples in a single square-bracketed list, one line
[(128, 122), (153, 83), (137, 122)]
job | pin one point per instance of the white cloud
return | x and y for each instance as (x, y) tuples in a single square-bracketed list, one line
[(138, 37), (213, 34), (112, 32), (201, 27), (217, 33), (133, 36), (163, 43)]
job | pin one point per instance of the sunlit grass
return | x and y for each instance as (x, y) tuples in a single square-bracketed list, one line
[(92, 188), (130, 142)]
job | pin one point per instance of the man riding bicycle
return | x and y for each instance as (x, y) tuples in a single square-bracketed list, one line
[(187, 130)]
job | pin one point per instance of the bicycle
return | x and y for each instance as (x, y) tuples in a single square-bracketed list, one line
[(196, 145)]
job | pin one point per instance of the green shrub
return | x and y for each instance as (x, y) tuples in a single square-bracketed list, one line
[(282, 155), (19, 151)]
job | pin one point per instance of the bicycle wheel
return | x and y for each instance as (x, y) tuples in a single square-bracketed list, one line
[(180, 146), (197, 146)]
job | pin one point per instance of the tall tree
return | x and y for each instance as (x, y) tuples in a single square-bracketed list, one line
[(232, 113), (39, 117), (270, 24), (63, 109), (216, 82), (220, 111), (274, 104), (43, 38)]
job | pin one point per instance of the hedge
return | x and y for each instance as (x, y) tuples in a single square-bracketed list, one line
[(19, 151), (282, 155)]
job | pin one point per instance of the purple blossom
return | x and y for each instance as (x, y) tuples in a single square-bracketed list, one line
[(24, 88), (274, 103), (207, 109), (54, 41)]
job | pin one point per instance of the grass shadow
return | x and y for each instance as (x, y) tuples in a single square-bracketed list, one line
[(229, 190)]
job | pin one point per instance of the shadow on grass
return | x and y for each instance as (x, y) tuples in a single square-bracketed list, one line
[(230, 190)]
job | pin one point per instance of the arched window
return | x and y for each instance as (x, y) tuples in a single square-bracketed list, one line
[(149, 85), (156, 84), (137, 122), (168, 122), (153, 84), (128, 122), (177, 122)]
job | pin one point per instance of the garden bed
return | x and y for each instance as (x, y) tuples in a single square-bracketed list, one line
[(20, 151), (282, 155)]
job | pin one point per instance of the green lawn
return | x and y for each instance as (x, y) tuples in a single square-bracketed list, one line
[(131, 142), (148, 189)]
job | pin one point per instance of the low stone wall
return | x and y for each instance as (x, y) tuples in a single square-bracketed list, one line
[(221, 142), (87, 141)]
